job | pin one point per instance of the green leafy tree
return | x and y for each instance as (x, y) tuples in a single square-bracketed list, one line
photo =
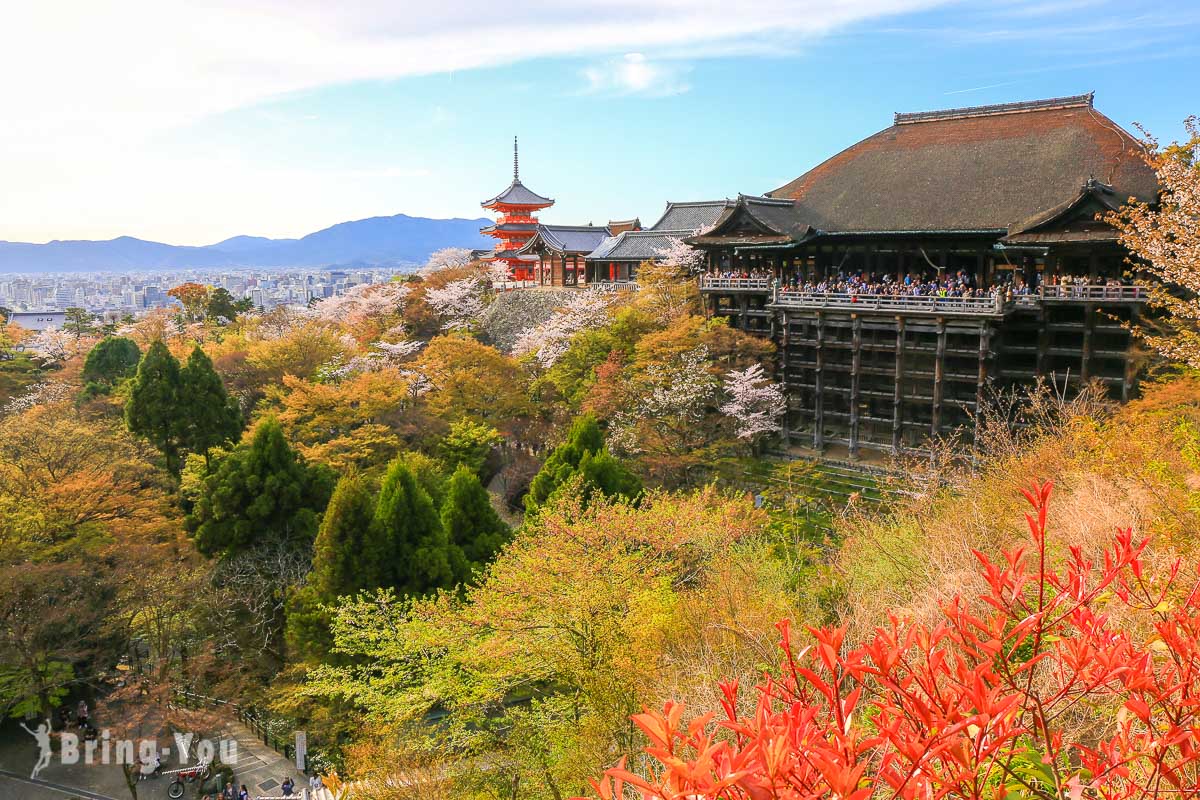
[(113, 359), (260, 492), (583, 454), (468, 443), (210, 417), (408, 539), (221, 304), (470, 521), (152, 410), (78, 321)]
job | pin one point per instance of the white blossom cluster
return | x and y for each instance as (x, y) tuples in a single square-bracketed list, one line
[(446, 258), (381, 356), (36, 394), (755, 404), (53, 346), (363, 302), (680, 256), (459, 303), (681, 391), (550, 340)]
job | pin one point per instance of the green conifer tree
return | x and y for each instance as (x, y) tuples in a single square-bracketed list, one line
[(210, 416), (260, 492), (471, 522), (583, 453), (152, 410), (113, 359), (340, 566), (407, 537)]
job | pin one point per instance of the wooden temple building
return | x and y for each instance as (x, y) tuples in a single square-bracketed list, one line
[(949, 254)]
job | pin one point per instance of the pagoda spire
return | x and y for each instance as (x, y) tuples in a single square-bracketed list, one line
[(516, 172)]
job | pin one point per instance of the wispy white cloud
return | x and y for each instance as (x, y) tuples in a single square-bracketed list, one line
[(633, 73), (91, 88)]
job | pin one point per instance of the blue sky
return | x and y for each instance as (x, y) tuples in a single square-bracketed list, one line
[(279, 117)]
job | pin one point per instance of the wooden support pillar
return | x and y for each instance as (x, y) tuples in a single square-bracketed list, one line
[(784, 353), (1085, 361), (939, 378), (855, 379), (1043, 341), (744, 308), (898, 389), (980, 270), (819, 387), (1127, 377), (541, 268), (981, 379)]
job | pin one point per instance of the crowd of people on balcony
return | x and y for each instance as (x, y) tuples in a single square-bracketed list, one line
[(960, 284)]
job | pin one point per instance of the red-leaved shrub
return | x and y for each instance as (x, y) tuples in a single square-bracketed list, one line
[(1044, 689)]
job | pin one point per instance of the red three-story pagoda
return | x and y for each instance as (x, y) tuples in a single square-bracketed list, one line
[(515, 223)]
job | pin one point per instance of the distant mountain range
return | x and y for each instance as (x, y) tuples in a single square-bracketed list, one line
[(378, 241)]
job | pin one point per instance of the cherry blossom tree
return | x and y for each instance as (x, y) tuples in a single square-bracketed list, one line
[(550, 340), (458, 303), (53, 346), (756, 405), (1165, 238), (672, 403), (680, 256), (446, 258), (363, 303)]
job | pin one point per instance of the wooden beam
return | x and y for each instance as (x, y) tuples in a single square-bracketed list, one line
[(1085, 360), (981, 379), (939, 378), (819, 387), (898, 388), (855, 378)]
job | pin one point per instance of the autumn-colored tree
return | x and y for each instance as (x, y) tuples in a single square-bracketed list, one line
[(975, 705), (468, 379), (360, 422), (535, 671), (1164, 240), (194, 299)]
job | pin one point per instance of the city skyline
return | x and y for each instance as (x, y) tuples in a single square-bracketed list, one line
[(156, 122)]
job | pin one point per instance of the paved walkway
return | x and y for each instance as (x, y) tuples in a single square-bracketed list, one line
[(258, 766)]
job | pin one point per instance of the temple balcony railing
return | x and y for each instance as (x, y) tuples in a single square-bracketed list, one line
[(504, 286), (992, 305), (614, 286), (711, 283), (1095, 292)]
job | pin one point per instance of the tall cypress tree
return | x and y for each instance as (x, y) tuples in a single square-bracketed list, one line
[(407, 537), (262, 491), (583, 453), (471, 522), (340, 566), (152, 410), (210, 416)]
